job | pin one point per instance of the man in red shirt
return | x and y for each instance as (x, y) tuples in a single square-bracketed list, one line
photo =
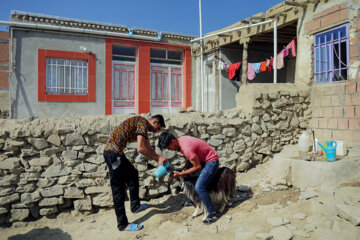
[(202, 157), (122, 172)]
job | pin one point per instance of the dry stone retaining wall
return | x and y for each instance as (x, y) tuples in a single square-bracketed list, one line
[(47, 165)]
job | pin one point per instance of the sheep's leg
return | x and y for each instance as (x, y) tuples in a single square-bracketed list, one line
[(205, 213), (196, 212)]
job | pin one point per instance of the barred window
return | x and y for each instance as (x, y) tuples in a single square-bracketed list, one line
[(66, 76), (331, 49)]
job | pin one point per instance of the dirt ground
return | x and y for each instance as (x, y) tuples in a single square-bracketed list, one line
[(168, 219)]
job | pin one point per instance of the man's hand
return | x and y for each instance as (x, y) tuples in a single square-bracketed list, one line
[(177, 174), (162, 160), (146, 149)]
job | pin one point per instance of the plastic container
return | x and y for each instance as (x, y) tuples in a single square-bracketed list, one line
[(161, 170), (304, 142), (341, 149), (330, 150)]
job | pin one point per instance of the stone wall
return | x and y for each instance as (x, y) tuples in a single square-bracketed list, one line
[(47, 165)]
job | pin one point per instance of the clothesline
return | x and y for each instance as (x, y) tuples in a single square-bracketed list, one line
[(254, 68)]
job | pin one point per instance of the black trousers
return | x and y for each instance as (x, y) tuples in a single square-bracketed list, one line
[(125, 175)]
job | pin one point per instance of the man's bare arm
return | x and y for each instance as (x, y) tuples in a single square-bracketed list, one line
[(145, 148), (196, 167)]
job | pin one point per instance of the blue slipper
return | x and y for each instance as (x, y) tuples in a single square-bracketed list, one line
[(141, 208), (133, 227)]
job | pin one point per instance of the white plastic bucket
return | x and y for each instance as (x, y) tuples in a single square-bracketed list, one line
[(304, 142), (341, 149)]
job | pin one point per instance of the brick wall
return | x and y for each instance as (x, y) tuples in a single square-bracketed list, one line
[(331, 16), (4, 59), (336, 106), (336, 112)]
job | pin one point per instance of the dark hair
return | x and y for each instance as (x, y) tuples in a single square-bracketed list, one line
[(160, 118), (165, 140)]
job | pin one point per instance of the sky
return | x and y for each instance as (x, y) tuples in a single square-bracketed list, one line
[(180, 16)]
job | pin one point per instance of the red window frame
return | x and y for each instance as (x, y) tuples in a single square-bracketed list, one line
[(162, 99), (126, 100), (44, 97), (143, 73), (177, 99)]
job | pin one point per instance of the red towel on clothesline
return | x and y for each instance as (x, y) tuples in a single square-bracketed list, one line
[(270, 64), (232, 70), (263, 66)]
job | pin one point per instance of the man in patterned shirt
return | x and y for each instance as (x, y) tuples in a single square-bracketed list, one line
[(122, 172)]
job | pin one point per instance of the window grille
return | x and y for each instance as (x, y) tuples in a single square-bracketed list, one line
[(331, 52), (66, 76)]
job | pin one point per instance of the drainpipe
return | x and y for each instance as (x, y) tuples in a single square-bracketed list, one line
[(275, 51), (131, 34), (11, 50)]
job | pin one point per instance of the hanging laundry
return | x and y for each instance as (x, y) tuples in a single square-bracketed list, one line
[(285, 52), (250, 72), (280, 60), (257, 67), (263, 66), (292, 46), (270, 64), (221, 65), (234, 71), (267, 63)]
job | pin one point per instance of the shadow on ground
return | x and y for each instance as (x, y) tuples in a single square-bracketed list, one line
[(171, 205), (238, 198), (175, 203), (42, 234)]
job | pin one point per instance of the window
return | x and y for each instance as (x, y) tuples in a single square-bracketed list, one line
[(123, 53), (124, 85), (331, 52), (159, 86), (66, 76), (166, 56), (166, 91), (176, 87)]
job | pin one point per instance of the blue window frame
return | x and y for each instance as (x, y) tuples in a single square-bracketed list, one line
[(331, 54)]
